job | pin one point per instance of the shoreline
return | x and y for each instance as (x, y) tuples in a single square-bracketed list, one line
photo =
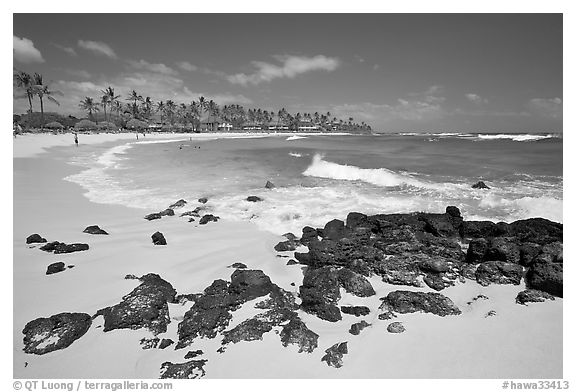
[(197, 255)]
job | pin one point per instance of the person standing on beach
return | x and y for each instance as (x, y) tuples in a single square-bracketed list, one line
[(76, 138), (136, 135)]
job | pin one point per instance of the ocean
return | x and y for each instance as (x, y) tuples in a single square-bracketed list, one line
[(322, 177)]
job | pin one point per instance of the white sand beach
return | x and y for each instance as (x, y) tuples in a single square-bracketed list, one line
[(518, 342)]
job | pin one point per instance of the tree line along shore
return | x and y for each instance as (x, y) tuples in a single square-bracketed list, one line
[(112, 112)]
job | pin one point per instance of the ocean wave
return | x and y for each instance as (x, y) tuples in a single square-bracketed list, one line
[(296, 137), (516, 137), (295, 154), (381, 177), (509, 209)]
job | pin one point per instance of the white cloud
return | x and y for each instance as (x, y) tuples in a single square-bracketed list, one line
[(25, 52), (476, 99), (186, 66), (547, 107), (66, 49), (99, 48), (289, 67), (152, 67)]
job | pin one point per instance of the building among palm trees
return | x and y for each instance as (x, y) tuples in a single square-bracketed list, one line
[(209, 123), (307, 126), (225, 126)]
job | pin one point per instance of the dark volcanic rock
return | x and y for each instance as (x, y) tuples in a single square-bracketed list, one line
[(208, 218), (434, 265), (211, 311), (334, 230), (402, 301), (190, 213), (239, 265), (158, 238), (254, 199), (479, 229), (167, 212), (551, 253), (165, 343), (499, 272), (153, 216), (480, 185), (477, 249), (356, 328), (148, 344), (187, 370), (287, 246), (55, 268), (251, 329), (531, 295), (144, 307), (308, 234), (537, 230), (453, 211), (45, 335), (35, 239), (269, 185), (335, 353), (178, 204), (436, 281), (296, 332), (203, 200), (193, 354), (503, 249), (441, 225), (395, 327), (547, 277), (355, 283), (94, 230), (209, 315), (291, 262), (355, 310), (60, 247), (320, 292)]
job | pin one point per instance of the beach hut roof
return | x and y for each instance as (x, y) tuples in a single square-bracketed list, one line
[(85, 124), (135, 123), (54, 125)]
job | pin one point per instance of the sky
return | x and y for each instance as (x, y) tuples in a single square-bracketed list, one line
[(396, 72)]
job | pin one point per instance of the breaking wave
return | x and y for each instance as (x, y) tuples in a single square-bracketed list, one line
[(381, 177)]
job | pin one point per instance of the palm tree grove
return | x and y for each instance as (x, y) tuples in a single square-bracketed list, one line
[(111, 112)]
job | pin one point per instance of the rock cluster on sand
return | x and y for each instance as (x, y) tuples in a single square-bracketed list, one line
[(55, 268), (158, 238), (208, 218), (335, 353), (144, 307), (254, 199), (45, 335), (423, 248), (35, 239), (94, 230), (212, 312), (410, 250), (61, 247)]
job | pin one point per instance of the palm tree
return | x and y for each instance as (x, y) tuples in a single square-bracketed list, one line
[(24, 81), (104, 101), (134, 98), (112, 98), (42, 91), (90, 106), (170, 110), (148, 106), (160, 107)]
